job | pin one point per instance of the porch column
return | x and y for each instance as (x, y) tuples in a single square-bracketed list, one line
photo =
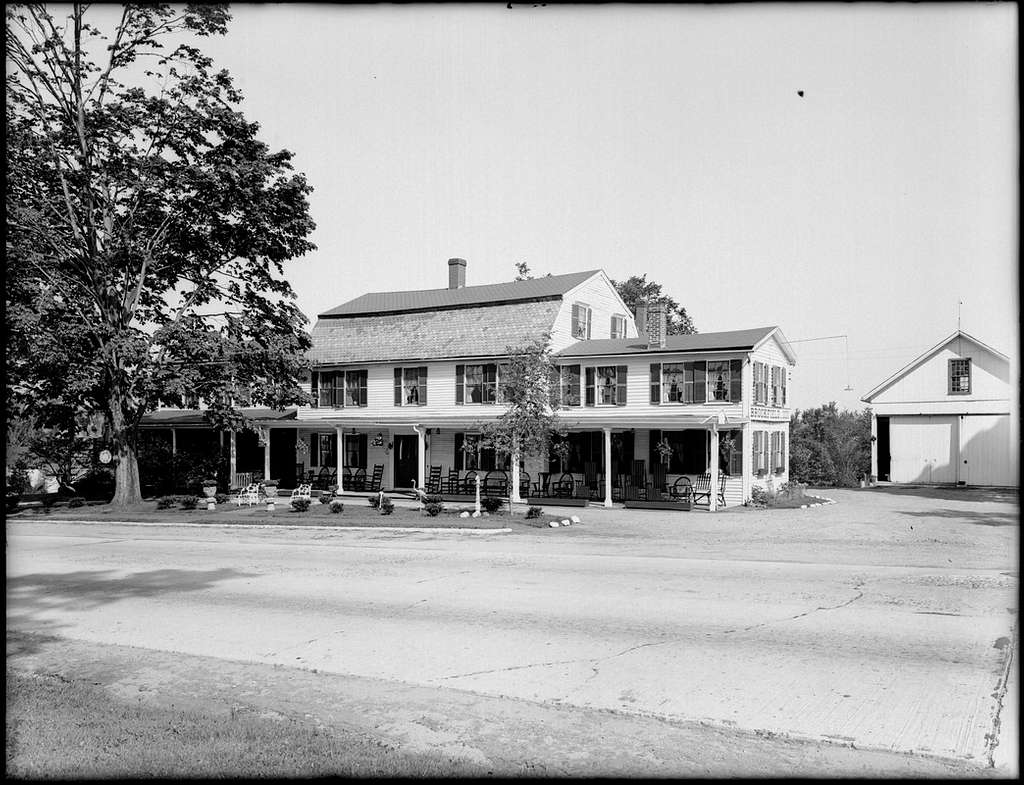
[(874, 447), (421, 456), (174, 441), (266, 459), (341, 457), (746, 446), (607, 467), (713, 469), (514, 491), (232, 459)]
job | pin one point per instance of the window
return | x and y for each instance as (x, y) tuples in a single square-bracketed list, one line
[(326, 451), (678, 382), (778, 452), (581, 314), (476, 383), (778, 385), (689, 450), (411, 386), (570, 385), (618, 329), (470, 454), (355, 450), (960, 377), (606, 385), (718, 380), (339, 388)]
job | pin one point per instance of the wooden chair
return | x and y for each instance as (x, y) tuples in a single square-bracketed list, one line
[(590, 478), (323, 479), (468, 483), (451, 485), (358, 479), (564, 487), (702, 489), (434, 480), (524, 484), (376, 478), (722, 478)]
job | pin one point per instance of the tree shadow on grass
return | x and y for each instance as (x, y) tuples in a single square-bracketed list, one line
[(975, 518), (31, 597)]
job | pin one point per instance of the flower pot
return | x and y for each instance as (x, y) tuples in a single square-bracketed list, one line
[(209, 491)]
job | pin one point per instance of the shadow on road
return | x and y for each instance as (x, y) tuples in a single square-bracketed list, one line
[(968, 516), (949, 493), (30, 597)]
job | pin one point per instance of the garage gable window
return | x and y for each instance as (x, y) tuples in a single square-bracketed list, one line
[(960, 377)]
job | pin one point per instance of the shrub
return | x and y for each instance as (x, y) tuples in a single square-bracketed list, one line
[(76, 501), (433, 509), (325, 497), (792, 490), (534, 512), (759, 497), (301, 504), (96, 484), (166, 502), (18, 482), (48, 500), (434, 498), (337, 505), (188, 502), (491, 503), (374, 501), (221, 498), (386, 506)]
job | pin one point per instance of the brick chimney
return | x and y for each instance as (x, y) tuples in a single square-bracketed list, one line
[(656, 325), (456, 273)]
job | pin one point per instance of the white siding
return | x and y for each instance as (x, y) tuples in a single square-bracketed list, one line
[(604, 301), (927, 385), (987, 455)]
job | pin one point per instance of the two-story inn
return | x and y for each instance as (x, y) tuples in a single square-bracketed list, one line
[(402, 381)]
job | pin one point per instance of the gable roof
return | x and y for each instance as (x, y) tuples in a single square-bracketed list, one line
[(375, 303), (471, 331), (917, 361), (732, 340)]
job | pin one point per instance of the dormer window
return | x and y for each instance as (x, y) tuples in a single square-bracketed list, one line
[(960, 377), (581, 316), (618, 329)]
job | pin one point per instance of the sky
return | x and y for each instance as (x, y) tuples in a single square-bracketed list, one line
[(880, 204)]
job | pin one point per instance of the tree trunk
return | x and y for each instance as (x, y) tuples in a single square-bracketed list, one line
[(127, 490)]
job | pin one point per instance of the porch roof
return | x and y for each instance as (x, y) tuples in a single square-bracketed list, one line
[(168, 418), (586, 421)]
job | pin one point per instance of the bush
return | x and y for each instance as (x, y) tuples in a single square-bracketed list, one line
[(221, 498), (166, 502), (491, 503), (188, 502), (76, 501), (325, 497), (374, 501), (301, 504), (386, 506), (433, 509), (534, 512), (337, 506), (18, 482), (759, 497), (792, 490), (49, 499), (433, 498)]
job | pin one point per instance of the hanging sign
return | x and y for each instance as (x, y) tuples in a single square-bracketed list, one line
[(105, 456)]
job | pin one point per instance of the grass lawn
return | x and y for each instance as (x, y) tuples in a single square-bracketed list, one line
[(357, 512), (70, 729)]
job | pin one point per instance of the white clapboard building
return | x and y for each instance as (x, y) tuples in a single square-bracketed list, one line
[(947, 418)]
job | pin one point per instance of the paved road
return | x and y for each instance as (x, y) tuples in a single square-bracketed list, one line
[(875, 653)]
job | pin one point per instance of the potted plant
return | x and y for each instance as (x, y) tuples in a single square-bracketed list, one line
[(270, 486), (664, 450), (209, 487), (561, 451)]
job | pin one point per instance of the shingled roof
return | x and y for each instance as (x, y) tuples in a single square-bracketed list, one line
[(733, 340), (469, 331), (375, 303)]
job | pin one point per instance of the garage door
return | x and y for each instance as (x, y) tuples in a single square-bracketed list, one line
[(923, 449), (987, 458)]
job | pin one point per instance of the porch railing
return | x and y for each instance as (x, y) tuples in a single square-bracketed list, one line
[(241, 479)]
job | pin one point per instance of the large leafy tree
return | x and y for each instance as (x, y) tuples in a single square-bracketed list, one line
[(637, 289), (147, 227)]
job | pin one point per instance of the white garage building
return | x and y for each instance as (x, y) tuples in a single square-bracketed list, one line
[(947, 418)]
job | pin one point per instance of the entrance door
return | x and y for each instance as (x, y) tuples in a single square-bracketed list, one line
[(406, 460), (882, 446), (923, 448), (282, 456)]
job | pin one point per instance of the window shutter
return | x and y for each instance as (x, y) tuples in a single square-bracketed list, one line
[(490, 383), (590, 387), (773, 440), (764, 449), (460, 385), (334, 449), (314, 388), (736, 463), (620, 385), (736, 380), (362, 387), (700, 378), (314, 449), (398, 386), (576, 321), (655, 383), (459, 441), (758, 373), (782, 452), (654, 436), (782, 383), (590, 319), (574, 385), (422, 373)]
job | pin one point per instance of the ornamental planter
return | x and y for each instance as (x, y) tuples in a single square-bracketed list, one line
[(209, 488), (271, 489)]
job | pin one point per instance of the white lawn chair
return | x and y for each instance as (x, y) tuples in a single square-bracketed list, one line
[(304, 491), (250, 495)]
